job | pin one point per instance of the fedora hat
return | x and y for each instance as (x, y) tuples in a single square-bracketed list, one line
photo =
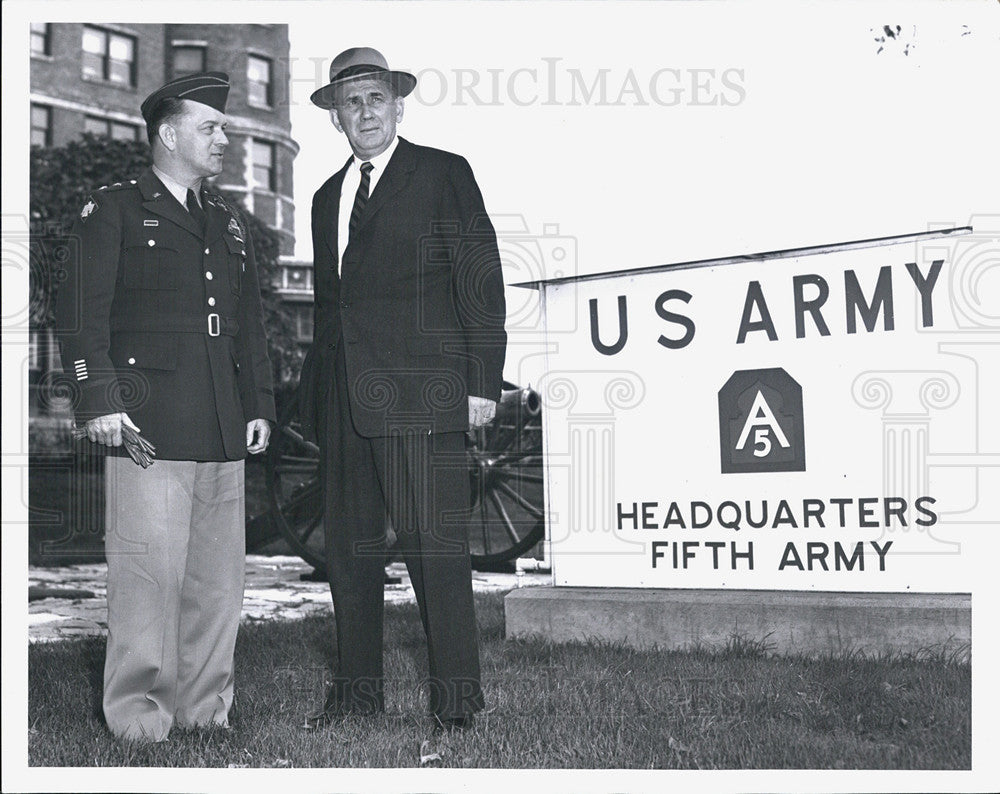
[(357, 63)]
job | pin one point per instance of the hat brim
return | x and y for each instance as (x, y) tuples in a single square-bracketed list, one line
[(402, 82)]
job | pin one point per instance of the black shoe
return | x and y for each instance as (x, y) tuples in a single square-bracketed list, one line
[(453, 724), (331, 711), (319, 720), (334, 710)]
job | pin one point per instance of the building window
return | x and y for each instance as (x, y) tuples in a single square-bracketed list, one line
[(118, 130), (188, 59), (41, 38), (259, 81), (264, 177), (298, 279), (41, 125), (108, 56), (303, 315)]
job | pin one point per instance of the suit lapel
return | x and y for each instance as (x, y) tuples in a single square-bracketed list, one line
[(332, 210), (157, 199), (396, 177)]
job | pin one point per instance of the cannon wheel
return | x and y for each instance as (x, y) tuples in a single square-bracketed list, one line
[(505, 470), (505, 467)]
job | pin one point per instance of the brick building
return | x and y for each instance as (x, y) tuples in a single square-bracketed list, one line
[(93, 77)]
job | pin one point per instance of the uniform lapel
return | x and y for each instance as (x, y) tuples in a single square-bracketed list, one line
[(217, 216), (157, 199)]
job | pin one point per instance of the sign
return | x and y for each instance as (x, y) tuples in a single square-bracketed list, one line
[(802, 420)]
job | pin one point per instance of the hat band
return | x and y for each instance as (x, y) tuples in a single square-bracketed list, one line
[(358, 70)]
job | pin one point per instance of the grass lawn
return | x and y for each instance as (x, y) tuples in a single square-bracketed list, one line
[(549, 706)]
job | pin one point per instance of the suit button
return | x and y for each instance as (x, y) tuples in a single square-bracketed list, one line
[(152, 242), (211, 301), (131, 361), (209, 275), (206, 251)]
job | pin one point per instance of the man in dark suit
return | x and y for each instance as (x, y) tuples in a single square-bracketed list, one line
[(160, 328), (407, 355)]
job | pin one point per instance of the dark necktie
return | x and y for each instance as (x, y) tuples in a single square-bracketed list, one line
[(196, 211), (360, 199)]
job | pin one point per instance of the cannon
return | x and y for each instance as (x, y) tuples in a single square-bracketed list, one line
[(505, 481)]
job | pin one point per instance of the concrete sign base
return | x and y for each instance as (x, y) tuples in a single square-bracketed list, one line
[(802, 623)]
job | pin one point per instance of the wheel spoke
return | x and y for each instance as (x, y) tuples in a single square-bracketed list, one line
[(523, 476), (484, 520), (507, 523), (515, 457), (310, 528), (535, 511)]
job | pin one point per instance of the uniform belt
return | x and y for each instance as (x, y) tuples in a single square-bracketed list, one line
[(211, 324)]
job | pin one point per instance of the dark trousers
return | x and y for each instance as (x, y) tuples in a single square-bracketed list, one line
[(420, 481)]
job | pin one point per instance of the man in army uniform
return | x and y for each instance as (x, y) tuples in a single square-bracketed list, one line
[(160, 326)]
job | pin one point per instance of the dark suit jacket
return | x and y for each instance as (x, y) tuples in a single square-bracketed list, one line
[(419, 303), (133, 315)]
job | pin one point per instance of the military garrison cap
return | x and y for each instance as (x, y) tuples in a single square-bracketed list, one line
[(209, 88)]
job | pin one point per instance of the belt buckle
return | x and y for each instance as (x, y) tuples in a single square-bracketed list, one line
[(214, 324)]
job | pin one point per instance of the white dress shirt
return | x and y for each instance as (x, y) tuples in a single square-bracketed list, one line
[(349, 189), (177, 190)]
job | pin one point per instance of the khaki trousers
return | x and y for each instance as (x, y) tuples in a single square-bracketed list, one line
[(175, 545)]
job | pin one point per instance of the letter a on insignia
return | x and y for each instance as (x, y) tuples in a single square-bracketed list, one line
[(761, 418)]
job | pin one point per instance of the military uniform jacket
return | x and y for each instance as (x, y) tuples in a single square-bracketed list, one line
[(418, 303), (163, 321)]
